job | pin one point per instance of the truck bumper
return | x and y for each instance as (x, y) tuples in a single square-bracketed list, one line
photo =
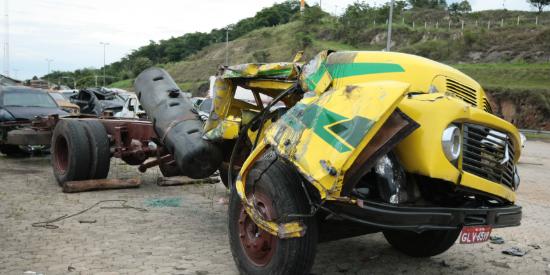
[(418, 219), (28, 136)]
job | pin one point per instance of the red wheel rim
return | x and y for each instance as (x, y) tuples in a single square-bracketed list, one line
[(258, 245), (61, 154)]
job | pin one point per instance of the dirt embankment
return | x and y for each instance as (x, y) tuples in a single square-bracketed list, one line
[(529, 110)]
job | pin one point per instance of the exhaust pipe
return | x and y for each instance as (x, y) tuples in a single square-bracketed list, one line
[(177, 124)]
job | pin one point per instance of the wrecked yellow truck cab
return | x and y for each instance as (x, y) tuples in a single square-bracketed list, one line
[(365, 142)]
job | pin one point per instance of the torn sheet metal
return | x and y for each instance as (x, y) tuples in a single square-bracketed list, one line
[(224, 91), (282, 70), (337, 125)]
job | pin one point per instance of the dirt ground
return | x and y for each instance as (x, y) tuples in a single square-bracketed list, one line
[(184, 229)]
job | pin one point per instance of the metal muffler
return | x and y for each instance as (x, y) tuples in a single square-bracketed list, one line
[(177, 124)]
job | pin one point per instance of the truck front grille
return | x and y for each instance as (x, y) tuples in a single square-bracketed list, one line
[(488, 154), (463, 92)]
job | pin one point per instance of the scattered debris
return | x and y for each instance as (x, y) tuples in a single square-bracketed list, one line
[(201, 272), (514, 251), (535, 246), (164, 202), (49, 224), (185, 181), (87, 221), (496, 240), (101, 184), (444, 264), (500, 264), (70, 268)]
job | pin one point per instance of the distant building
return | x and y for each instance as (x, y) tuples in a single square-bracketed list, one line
[(39, 84), (8, 81)]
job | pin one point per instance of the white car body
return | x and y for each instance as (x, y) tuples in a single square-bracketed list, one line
[(132, 108)]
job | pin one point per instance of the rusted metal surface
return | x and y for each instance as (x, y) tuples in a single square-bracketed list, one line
[(185, 181), (28, 136), (102, 184), (158, 161), (396, 128)]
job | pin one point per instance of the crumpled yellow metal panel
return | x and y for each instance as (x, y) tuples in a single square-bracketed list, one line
[(224, 91), (279, 70), (323, 135)]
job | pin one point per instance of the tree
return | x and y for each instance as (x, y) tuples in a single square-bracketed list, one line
[(140, 64), (459, 8), (539, 4), (313, 15), (428, 4)]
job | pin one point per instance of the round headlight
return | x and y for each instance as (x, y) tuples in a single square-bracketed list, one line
[(452, 142)]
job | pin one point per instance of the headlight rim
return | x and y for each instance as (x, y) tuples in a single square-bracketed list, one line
[(451, 142)]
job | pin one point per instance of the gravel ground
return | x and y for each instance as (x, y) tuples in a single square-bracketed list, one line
[(190, 237)]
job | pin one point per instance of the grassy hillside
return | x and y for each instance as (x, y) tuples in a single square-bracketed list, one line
[(519, 76), (512, 62)]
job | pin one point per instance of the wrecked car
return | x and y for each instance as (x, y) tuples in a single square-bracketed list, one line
[(96, 101), (366, 142), (64, 103), (132, 108), (18, 107)]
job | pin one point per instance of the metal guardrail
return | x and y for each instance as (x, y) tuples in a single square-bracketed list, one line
[(534, 131)]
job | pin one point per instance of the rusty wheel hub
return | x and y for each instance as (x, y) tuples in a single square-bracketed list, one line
[(259, 246), (61, 154)]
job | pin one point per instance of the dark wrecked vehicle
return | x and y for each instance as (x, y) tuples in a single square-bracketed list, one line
[(97, 101), (18, 107)]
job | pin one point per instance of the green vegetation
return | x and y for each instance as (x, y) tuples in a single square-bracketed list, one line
[(123, 84), (518, 76), (504, 50)]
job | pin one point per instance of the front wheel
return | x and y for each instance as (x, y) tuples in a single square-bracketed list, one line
[(425, 244), (277, 193)]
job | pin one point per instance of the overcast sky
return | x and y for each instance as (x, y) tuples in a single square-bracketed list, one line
[(70, 31)]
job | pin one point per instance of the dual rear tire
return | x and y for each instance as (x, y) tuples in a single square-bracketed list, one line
[(80, 151)]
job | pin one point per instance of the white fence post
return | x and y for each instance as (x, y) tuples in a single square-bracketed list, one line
[(374, 22), (462, 24), (518, 21), (437, 24), (413, 25), (502, 22), (449, 24), (425, 25), (476, 24), (403, 20), (536, 20), (489, 24)]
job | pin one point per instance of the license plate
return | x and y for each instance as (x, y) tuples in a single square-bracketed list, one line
[(475, 234)]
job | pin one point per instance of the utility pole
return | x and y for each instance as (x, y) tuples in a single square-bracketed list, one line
[(105, 44), (227, 46), (302, 6), (48, 75), (390, 20), (7, 40)]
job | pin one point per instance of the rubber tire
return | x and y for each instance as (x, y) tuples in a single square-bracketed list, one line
[(224, 176), (78, 150), (100, 149), (292, 256), (12, 151), (425, 244)]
